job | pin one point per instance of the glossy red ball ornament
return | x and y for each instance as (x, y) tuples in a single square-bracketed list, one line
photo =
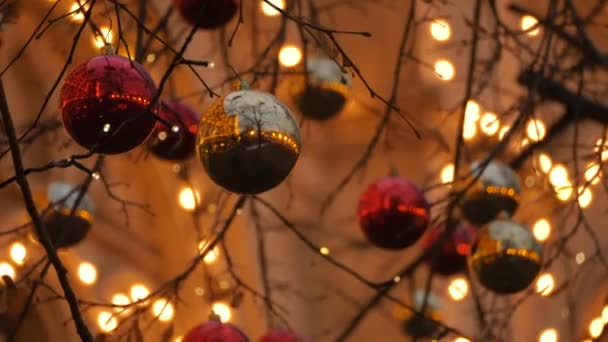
[(170, 145), (213, 331), (451, 258), (393, 213), (105, 104), (206, 14), (282, 336)]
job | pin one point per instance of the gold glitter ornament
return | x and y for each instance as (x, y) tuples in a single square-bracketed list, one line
[(248, 141), (505, 257)]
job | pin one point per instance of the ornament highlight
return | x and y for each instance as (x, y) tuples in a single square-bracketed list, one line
[(206, 14), (393, 213), (496, 190), (248, 142), (505, 258), (215, 331), (323, 93), (105, 104), (167, 144), (66, 222), (282, 336), (452, 255)]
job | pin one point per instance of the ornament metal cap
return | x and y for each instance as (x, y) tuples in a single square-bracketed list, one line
[(214, 317)]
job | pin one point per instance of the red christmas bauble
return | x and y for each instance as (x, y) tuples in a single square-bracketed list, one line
[(206, 14), (105, 104), (393, 213), (282, 336), (452, 255), (169, 145), (213, 331)]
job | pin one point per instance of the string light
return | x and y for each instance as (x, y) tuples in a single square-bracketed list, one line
[(106, 321), (87, 273), (503, 131), (324, 250), (542, 230), (103, 37), (527, 23), (7, 270), (211, 256), (269, 10), (290, 56), (469, 131), (596, 327), (549, 335), (489, 123), (462, 339), (120, 299), (584, 197), (163, 310), (139, 292), (535, 130), (444, 70), (440, 30), (592, 173), (601, 146), (77, 12), (605, 314), (223, 311), (188, 198), (579, 258), (561, 184), (458, 289), (471, 112), (544, 162), (18, 253), (545, 284), (447, 174)]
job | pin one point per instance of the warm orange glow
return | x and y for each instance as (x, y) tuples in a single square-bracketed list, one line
[(447, 174), (592, 173), (139, 292), (535, 130), (440, 30), (290, 56), (548, 335), (212, 255), (530, 24), (87, 273), (545, 284), (77, 12), (106, 321), (269, 10), (7, 270), (544, 162), (188, 198), (489, 123), (585, 196), (444, 70), (542, 230), (596, 327), (18, 253)]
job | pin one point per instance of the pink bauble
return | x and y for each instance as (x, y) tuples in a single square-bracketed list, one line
[(393, 213), (451, 258)]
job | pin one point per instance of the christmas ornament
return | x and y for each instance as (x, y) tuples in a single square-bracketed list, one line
[(496, 190), (248, 142), (66, 223), (105, 104), (282, 336), (393, 213), (175, 146), (213, 331), (505, 257), (451, 257), (423, 325), (206, 14), (323, 93)]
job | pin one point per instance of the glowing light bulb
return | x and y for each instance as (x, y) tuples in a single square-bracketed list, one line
[(324, 250), (458, 289), (489, 123), (163, 310), (269, 10), (77, 12), (564, 192), (290, 56), (87, 273), (447, 174), (542, 230), (440, 30), (503, 131), (18, 253), (444, 70), (139, 292), (596, 327), (102, 37), (585, 196), (580, 258), (549, 335), (106, 321), (544, 162), (120, 299), (601, 146), (469, 131), (592, 173), (605, 314), (223, 311), (7, 270), (559, 176), (462, 339), (527, 23), (212, 255), (545, 284), (471, 112), (535, 130), (188, 198)]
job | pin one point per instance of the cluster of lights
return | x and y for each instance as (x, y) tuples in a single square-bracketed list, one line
[(597, 325), (440, 31), (560, 180), (488, 123)]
